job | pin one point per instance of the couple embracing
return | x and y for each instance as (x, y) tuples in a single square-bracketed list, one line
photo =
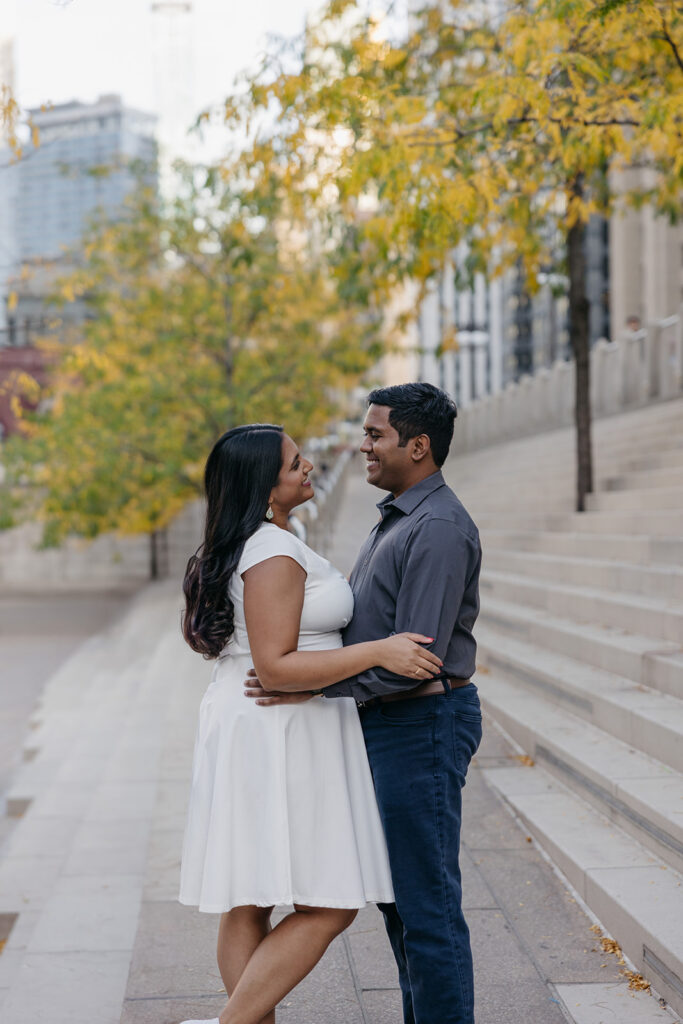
[(334, 779)]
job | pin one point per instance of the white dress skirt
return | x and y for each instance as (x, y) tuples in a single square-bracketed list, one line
[(282, 807)]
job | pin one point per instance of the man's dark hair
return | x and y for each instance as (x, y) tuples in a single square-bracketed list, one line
[(419, 408)]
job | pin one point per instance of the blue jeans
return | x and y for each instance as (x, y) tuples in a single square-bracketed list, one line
[(419, 752)]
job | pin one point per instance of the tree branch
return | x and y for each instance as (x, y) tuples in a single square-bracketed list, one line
[(668, 38), (461, 133), (156, 461)]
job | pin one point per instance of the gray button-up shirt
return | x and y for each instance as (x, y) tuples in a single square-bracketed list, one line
[(417, 572)]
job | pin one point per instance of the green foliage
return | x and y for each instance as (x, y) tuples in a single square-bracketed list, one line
[(502, 130), (476, 127), (211, 314), (7, 508), (258, 294)]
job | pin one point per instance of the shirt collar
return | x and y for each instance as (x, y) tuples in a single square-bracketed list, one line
[(410, 499)]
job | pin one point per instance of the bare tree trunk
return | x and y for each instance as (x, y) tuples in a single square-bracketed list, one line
[(578, 331), (158, 554), (153, 555)]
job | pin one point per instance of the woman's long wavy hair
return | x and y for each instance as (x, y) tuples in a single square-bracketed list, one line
[(240, 473)]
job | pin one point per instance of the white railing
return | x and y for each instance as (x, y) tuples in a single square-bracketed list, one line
[(645, 366)]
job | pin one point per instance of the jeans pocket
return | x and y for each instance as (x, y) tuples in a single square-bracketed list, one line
[(466, 734), (466, 704)]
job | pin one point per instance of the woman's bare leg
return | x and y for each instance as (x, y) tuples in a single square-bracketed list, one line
[(281, 960), (240, 931)]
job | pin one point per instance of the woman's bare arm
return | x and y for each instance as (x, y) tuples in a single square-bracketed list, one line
[(273, 600)]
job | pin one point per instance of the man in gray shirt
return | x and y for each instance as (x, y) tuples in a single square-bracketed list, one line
[(418, 572), (404, 581)]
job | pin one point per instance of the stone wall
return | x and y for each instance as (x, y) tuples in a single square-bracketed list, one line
[(109, 562)]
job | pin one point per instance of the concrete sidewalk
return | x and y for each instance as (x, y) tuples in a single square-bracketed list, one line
[(88, 877)]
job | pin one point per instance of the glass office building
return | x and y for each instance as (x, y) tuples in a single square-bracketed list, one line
[(90, 157)]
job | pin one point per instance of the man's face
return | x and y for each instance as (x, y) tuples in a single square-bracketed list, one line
[(388, 466)]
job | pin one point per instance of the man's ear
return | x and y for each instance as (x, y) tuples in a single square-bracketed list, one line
[(422, 446)]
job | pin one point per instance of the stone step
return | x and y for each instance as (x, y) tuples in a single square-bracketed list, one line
[(642, 417), (86, 699), (644, 718), (73, 869), (631, 548), (659, 498), (558, 468), (652, 663), (636, 613), (643, 478), (622, 577), (649, 522), (639, 794), (635, 895), (639, 426), (555, 476), (671, 458), (663, 438), (79, 735), (487, 520), (547, 448), (553, 464)]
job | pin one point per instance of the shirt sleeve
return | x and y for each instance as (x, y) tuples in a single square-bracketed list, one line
[(439, 561), (269, 543)]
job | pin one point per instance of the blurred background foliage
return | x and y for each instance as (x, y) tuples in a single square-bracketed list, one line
[(259, 292)]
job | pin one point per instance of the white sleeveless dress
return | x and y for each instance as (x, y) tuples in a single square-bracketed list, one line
[(282, 807)]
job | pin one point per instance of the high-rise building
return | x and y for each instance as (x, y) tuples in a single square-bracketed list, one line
[(89, 158)]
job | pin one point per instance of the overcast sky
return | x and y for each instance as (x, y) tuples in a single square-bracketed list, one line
[(78, 49)]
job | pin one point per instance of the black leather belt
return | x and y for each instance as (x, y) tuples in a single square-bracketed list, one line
[(430, 688)]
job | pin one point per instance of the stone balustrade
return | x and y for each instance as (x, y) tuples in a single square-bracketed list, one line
[(643, 367)]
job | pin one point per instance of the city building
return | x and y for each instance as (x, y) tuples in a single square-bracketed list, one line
[(90, 156), (476, 335), (88, 159), (646, 261), (460, 332)]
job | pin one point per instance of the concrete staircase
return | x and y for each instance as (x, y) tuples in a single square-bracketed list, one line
[(97, 810), (581, 663)]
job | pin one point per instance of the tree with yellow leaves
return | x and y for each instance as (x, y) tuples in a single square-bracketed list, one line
[(12, 119), (498, 128), (200, 318)]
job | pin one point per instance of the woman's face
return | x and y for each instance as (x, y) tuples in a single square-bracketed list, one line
[(293, 486)]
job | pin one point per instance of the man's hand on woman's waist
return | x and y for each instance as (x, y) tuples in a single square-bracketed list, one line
[(253, 689)]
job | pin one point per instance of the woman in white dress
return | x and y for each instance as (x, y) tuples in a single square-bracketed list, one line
[(282, 807)]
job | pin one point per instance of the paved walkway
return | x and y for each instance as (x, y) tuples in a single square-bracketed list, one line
[(88, 877)]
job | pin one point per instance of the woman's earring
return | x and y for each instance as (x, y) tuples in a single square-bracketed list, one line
[(269, 513)]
